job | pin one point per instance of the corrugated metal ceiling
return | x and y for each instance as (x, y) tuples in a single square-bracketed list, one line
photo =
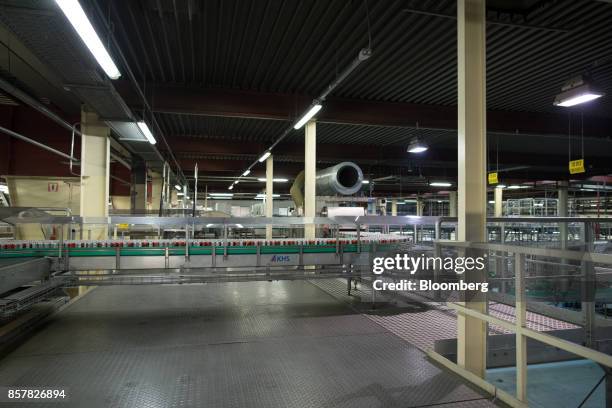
[(298, 47)]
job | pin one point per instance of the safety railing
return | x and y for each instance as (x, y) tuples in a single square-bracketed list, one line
[(584, 265)]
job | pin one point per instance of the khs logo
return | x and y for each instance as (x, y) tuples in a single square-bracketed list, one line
[(280, 258)]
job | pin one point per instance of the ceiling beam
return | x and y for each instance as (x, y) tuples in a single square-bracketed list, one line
[(260, 105)]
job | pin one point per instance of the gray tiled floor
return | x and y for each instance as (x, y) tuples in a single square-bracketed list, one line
[(257, 344)]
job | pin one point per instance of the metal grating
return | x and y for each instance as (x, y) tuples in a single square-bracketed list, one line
[(265, 344)]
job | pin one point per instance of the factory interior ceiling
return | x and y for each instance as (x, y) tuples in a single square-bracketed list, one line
[(222, 80)]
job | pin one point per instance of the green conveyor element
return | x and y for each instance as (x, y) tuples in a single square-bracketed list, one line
[(193, 250)]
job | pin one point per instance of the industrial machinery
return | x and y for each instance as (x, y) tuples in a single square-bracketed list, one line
[(109, 258)]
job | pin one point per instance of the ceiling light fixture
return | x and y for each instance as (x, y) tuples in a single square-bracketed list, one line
[(178, 187), (263, 196), (313, 110), (77, 17), (576, 91), (417, 147), (246, 172), (365, 182), (276, 180), (440, 184), (264, 156), (231, 187), (146, 132), (221, 194)]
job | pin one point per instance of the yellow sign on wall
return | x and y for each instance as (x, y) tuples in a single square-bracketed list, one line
[(123, 226), (493, 178), (576, 166)]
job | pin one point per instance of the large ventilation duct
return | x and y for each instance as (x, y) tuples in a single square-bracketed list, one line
[(344, 178)]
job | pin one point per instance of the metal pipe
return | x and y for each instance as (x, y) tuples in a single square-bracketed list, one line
[(363, 55), (35, 143), (34, 104)]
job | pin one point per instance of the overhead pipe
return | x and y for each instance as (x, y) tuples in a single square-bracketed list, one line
[(35, 143), (363, 55), (36, 105)]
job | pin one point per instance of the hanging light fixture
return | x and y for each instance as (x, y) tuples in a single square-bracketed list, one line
[(576, 91), (417, 146)]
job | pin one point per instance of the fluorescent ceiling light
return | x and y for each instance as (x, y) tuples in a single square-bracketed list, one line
[(221, 194), (513, 187), (365, 182), (263, 196), (239, 225), (576, 100), (316, 107), (178, 187), (500, 186), (180, 194), (231, 187), (440, 184), (145, 131), (276, 180), (576, 91), (491, 202), (264, 157), (246, 173), (75, 14)]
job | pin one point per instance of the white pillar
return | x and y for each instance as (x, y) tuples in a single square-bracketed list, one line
[(394, 208), (562, 211), (499, 202), (95, 165), (452, 204), (310, 176), (472, 188), (420, 205), (269, 193)]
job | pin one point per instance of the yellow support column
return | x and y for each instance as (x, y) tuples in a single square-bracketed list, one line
[(452, 204), (499, 202), (310, 176), (472, 189), (95, 160), (269, 193)]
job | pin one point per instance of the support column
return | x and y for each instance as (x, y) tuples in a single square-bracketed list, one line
[(139, 186), (394, 208), (157, 186), (472, 188), (419, 206), (95, 165), (499, 203), (269, 193), (310, 176), (452, 204), (562, 212)]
